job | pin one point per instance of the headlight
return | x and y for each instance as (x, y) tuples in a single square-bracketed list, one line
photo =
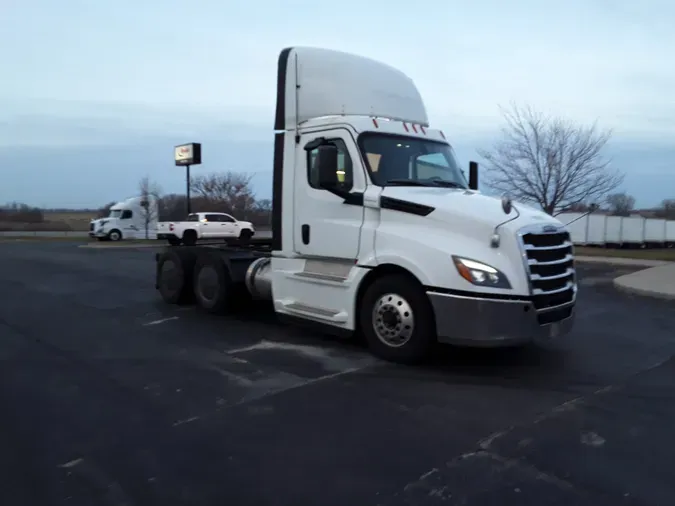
[(480, 274)]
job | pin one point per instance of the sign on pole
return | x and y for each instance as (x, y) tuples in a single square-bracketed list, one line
[(188, 154)]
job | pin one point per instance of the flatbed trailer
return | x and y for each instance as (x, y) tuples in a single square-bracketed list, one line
[(375, 230)]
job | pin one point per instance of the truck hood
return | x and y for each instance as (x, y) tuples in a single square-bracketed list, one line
[(468, 210), (100, 221)]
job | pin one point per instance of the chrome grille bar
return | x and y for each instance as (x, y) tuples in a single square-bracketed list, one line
[(548, 258)]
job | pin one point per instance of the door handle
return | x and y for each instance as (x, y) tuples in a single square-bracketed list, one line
[(305, 234)]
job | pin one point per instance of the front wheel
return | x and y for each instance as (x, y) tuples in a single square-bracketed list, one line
[(189, 238), (115, 235), (397, 320), (245, 236)]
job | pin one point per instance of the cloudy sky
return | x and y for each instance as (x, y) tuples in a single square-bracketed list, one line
[(95, 94)]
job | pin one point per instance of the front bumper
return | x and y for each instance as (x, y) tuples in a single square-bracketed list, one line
[(487, 322)]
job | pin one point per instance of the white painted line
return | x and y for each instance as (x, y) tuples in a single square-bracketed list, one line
[(72, 463), (188, 420), (157, 322)]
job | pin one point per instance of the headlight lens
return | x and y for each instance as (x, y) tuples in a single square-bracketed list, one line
[(480, 274)]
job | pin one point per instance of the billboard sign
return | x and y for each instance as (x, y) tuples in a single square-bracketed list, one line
[(188, 154)]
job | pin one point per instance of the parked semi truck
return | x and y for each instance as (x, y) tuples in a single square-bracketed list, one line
[(133, 218), (375, 230)]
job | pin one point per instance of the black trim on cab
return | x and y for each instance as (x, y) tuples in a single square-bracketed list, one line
[(404, 206), (282, 69), (354, 199), (279, 139), (277, 190)]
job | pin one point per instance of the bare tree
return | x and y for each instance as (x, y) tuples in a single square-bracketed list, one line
[(150, 193), (580, 207), (172, 207), (667, 209), (105, 210), (229, 192), (620, 204), (549, 161)]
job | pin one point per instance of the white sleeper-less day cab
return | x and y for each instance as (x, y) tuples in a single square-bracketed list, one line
[(128, 219), (375, 229)]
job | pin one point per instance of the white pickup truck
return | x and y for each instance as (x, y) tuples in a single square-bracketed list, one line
[(204, 226)]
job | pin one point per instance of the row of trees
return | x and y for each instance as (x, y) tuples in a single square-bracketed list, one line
[(20, 213)]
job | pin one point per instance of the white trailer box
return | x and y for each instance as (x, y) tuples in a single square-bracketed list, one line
[(655, 230), (613, 226), (670, 232), (596, 229), (576, 225), (633, 230)]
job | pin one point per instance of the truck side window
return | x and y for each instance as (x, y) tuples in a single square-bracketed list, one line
[(226, 218), (192, 217), (126, 215), (213, 217), (345, 173)]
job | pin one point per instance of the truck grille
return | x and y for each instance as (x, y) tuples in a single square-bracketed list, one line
[(550, 266), (91, 227)]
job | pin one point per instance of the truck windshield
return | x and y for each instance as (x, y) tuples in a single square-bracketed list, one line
[(115, 214), (394, 160)]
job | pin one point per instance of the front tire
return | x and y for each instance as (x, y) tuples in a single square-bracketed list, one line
[(115, 235), (397, 319), (245, 236), (190, 238)]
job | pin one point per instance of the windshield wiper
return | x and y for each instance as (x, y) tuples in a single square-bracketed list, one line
[(424, 182), (406, 182), (445, 184)]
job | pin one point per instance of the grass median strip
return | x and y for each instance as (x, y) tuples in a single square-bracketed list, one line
[(664, 254)]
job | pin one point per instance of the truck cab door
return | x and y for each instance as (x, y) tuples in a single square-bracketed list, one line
[(129, 228), (210, 227), (229, 226), (326, 225)]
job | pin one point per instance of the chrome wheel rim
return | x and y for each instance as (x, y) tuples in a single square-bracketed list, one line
[(393, 320)]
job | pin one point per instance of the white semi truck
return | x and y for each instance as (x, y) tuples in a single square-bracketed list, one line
[(133, 218), (375, 229)]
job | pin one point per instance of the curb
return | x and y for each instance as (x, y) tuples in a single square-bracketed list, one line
[(121, 246), (636, 282)]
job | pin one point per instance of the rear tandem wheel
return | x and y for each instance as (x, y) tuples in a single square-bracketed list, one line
[(175, 269)]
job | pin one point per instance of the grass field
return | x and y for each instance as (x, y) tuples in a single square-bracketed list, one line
[(77, 221), (54, 222), (667, 255)]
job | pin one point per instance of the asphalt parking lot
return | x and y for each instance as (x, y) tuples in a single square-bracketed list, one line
[(110, 397)]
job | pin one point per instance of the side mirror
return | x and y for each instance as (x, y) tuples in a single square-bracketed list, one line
[(473, 175), (327, 163)]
